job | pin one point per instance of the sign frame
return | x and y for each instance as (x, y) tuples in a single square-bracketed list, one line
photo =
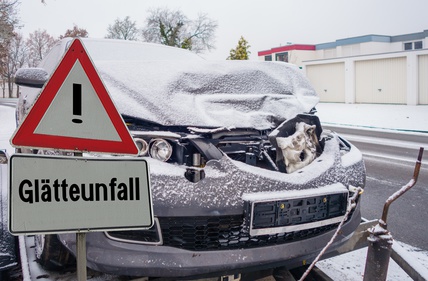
[(64, 215), (26, 135)]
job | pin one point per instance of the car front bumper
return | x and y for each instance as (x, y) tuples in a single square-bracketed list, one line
[(129, 259), (224, 192)]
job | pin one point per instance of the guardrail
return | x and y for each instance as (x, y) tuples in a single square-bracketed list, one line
[(362, 133), (392, 144)]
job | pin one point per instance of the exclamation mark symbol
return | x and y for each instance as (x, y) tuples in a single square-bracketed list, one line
[(77, 103)]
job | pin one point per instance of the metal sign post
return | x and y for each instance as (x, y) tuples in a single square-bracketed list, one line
[(81, 255), (80, 248)]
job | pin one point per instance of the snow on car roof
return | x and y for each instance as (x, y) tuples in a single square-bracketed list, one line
[(172, 86)]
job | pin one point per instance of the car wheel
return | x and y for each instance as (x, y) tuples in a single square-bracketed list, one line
[(51, 254)]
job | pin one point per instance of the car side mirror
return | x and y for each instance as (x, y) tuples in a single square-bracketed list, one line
[(3, 156), (31, 77)]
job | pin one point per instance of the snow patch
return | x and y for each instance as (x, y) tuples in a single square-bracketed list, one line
[(208, 94), (290, 194)]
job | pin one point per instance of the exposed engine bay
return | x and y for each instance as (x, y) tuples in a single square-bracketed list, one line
[(288, 148)]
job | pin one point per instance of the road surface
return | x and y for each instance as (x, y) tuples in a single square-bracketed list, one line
[(390, 161)]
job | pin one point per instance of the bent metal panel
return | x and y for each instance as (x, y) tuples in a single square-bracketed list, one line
[(75, 194)]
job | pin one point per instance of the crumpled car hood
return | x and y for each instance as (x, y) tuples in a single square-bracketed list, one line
[(203, 93)]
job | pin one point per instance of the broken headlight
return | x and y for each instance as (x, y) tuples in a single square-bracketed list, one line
[(160, 149)]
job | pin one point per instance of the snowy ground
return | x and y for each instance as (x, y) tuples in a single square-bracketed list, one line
[(379, 116), (348, 267)]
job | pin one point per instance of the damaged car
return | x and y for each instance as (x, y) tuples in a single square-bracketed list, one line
[(243, 176)]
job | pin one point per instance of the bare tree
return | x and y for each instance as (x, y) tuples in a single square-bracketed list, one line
[(75, 32), (123, 29), (15, 59), (164, 26), (8, 23), (39, 43), (201, 33), (173, 28)]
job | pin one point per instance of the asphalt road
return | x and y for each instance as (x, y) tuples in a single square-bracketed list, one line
[(390, 162)]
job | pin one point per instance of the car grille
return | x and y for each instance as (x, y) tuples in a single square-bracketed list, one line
[(223, 233), (213, 233)]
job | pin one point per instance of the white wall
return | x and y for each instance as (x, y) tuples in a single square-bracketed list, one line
[(328, 81), (422, 79), (298, 56), (407, 79), (382, 80)]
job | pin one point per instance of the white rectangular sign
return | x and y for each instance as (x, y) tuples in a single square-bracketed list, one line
[(51, 194)]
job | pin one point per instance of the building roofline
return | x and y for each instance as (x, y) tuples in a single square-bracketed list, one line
[(354, 40), (410, 36), (299, 47), (373, 38), (348, 41)]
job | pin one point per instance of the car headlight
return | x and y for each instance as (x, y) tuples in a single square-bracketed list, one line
[(160, 149), (143, 146)]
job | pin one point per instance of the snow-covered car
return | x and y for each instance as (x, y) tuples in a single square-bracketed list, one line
[(243, 176), (8, 258)]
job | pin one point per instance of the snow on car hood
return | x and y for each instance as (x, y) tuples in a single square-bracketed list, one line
[(202, 93)]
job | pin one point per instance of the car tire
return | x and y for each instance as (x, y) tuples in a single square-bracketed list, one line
[(51, 254)]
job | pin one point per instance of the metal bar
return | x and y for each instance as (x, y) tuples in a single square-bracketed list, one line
[(378, 254), (380, 240), (81, 248), (81, 256), (405, 188)]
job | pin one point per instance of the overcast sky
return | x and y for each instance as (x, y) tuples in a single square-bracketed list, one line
[(265, 24)]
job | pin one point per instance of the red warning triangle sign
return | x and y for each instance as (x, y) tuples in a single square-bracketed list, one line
[(74, 111)]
